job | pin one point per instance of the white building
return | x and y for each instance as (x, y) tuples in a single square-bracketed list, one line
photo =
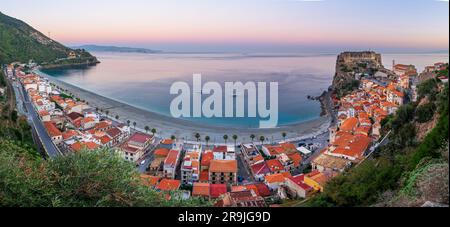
[(190, 167)]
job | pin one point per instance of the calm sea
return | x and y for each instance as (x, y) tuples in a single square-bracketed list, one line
[(144, 80)]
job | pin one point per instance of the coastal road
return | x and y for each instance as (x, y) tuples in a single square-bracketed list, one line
[(37, 124), (243, 168)]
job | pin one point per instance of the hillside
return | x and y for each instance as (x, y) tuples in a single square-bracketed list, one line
[(412, 169), (21, 42)]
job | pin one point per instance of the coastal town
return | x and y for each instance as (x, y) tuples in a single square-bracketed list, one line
[(256, 173)]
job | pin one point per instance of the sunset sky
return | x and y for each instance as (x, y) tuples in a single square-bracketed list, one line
[(241, 25)]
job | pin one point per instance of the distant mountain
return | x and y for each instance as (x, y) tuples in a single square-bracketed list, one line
[(21, 42), (115, 49)]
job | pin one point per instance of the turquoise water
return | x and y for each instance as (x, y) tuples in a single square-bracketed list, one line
[(144, 80)]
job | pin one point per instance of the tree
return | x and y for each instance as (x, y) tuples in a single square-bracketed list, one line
[(153, 131), (134, 124), (173, 137), (128, 123), (14, 116), (117, 117), (252, 136), (284, 134), (197, 136), (262, 138), (146, 129), (107, 112), (207, 138), (225, 137), (235, 137), (424, 113)]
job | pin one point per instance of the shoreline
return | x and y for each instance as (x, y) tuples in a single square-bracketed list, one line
[(183, 129)]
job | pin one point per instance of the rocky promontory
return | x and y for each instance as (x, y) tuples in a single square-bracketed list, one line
[(350, 66)]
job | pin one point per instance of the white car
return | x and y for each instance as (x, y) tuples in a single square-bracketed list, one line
[(142, 163)]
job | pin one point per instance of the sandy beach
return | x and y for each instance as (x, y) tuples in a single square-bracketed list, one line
[(182, 129)]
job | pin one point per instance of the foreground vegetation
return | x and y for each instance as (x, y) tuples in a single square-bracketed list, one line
[(399, 174), (85, 179)]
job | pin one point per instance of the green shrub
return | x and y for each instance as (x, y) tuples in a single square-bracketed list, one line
[(424, 113)]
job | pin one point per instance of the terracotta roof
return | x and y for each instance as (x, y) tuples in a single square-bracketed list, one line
[(216, 190), (274, 178), (87, 120), (354, 146), (167, 142), (258, 158), (78, 146), (299, 180), (204, 175), (252, 187), (113, 132), (260, 168), (288, 147), (200, 189), (105, 139), (69, 134), (274, 165), (238, 188), (102, 125), (172, 158), (43, 113), (319, 177), (150, 181), (169, 185), (52, 129), (206, 158), (129, 149), (349, 124), (365, 130), (296, 158), (140, 137), (223, 166), (161, 152), (222, 149), (274, 150), (263, 189)]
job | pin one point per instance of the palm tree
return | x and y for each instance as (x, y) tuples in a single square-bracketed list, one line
[(153, 131), (225, 137), (284, 134), (134, 124), (146, 129), (262, 138), (128, 123), (252, 136), (207, 138), (197, 136), (235, 137)]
